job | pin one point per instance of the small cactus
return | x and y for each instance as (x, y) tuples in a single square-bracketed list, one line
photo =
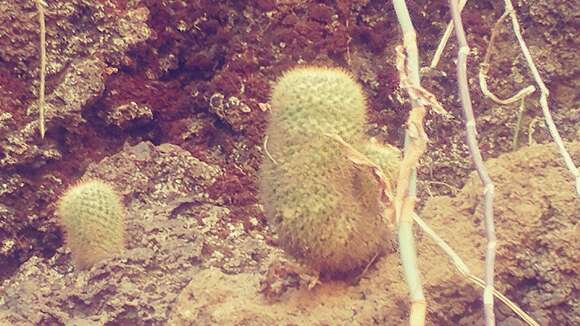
[(385, 156), (92, 216), (325, 209), (319, 100)]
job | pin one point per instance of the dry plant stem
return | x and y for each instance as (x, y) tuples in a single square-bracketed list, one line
[(484, 70), (41, 106), (478, 162), (483, 74), (518, 126), (409, 262), (531, 130), (465, 272), (406, 183), (543, 96), (444, 39), (268, 152), (404, 203)]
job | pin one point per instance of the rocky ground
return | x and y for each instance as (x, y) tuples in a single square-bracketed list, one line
[(167, 100)]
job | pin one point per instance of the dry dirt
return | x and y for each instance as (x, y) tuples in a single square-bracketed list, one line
[(167, 100)]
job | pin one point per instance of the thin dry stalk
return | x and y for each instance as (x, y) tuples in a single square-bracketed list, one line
[(268, 152), (415, 143), (544, 93), (465, 272), (445, 38), (478, 162), (41, 105), (531, 129), (518, 127), (484, 70)]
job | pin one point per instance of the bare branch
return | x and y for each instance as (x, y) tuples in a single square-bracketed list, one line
[(445, 38), (417, 93), (465, 272), (518, 126), (415, 143), (478, 162), (40, 4), (484, 70), (267, 152), (544, 93)]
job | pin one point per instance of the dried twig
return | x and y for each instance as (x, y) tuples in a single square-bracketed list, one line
[(532, 129), (465, 272), (445, 38), (415, 143), (419, 95), (267, 151), (361, 160), (484, 70), (518, 126), (484, 73), (40, 4), (454, 190), (543, 95), (478, 162)]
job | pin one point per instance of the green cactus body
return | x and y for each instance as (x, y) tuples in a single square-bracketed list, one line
[(325, 209), (319, 100), (92, 216), (386, 157)]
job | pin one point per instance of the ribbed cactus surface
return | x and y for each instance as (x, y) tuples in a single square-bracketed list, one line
[(325, 209), (319, 100), (385, 156), (92, 216)]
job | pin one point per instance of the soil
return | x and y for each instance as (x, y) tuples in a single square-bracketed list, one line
[(168, 102)]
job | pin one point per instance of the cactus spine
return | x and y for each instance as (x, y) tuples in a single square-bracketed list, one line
[(92, 216), (325, 209)]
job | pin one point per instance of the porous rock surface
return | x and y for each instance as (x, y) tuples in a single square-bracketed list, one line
[(86, 42), (171, 231)]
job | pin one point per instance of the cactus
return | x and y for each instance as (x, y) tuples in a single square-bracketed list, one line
[(385, 156), (325, 209), (92, 216), (319, 100)]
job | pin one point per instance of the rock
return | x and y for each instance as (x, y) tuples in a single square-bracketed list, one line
[(128, 115), (163, 253)]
